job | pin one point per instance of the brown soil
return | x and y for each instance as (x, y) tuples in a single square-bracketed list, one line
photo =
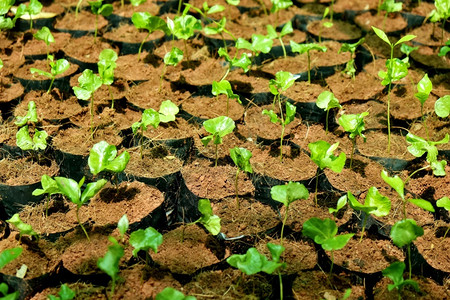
[(153, 164), (363, 87), (205, 107), (340, 31), (394, 22), (83, 22), (85, 50), (130, 34), (25, 73), (24, 170)]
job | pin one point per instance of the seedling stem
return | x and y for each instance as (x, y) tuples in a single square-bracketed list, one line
[(81, 225)]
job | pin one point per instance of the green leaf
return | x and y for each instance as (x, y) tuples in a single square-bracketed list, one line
[(391, 6), (319, 230), (271, 32), (261, 43), (354, 124), (149, 117), (110, 262), (243, 44), (39, 140), (145, 239), (45, 35), (406, 38), (241, 157), (23, 227), (326, 101), (438, 167), (272, 115), (424, 204), (233, 2), (185, 26), (346, 47), (219, 127), (290, 113), (40, 72), (215, 9), (322, 156), (208, 219), (5, 6), (91, 190), (283, 81), (31, 115), (375, 199), (224, 87), (396, 70), (424, 88), (253, 262), (173, 57), (172, 294), (278, 5), (380, 33), (404, 48), (404, 232), (8, 255), (444, 202), (340, 204), (395, 273), (59, 67), (65, 293), (442, 106), (303, 48), (34, 7), (69, 188), (144, 20), (23, 139), (123, 225), (89, 83), (244, 62), (358, 206), (287, 29), (102, 157), (167, 111), (337, 242), (394, 182), (6, 23), (49, 186), (276, 251), (106, 10), (289, 193)]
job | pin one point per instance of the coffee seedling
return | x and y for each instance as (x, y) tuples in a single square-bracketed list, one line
[(444, 203), (241, 158), (56, 68), (326, 101), (218, 127), (33, 8), (65, 293), (144, 240), (144, 20), (106, 66), (389, 6), (285, 30), (171, 58), (440, 13), (244, 62), (224, 87), (419, 146), (306, 48), (395, 273), (354, 124), (49, 187), (46, 36), (350, 68), (98, 8), (208, 219), (7, 256), (424, 87), (110, 262), (24, 229)]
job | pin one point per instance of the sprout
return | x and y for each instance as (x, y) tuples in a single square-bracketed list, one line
[(302, 48), (241, 158), (97, 9), (354, 124), (106, 66), (144, 20), (218, 127), (326, 101), (224, 87), (110, 262), (24, 229), (395, 273), (56, 68)]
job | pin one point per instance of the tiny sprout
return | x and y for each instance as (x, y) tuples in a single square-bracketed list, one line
[(224, 87), (444, 203), (144, 240), (354, 124), (49, 187), (218, 127), (395, 273), (171, 58), (33, 8), (302, 48), (420, 146), (106, 66), (56, 67), (45, 35), (326, 101), (24, 229), (244, 62), (110, 262), (208, 218), (389, 6), (273, 34), (31, 115), (241, 158), (350, 68), (98, 8), (65, 293), (144, 20)]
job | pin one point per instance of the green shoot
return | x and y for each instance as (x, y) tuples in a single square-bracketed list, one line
[(389, 6), (65, 293), (323, 232), (25, 142), (273, 34), (7, 256), (31, 115), (97, 9), (396, 70), (24, 229), (395, 273), (424, 87), (172, 294), (89, 83), (326, 101), (144, 240), (218, 127), (110, 262), (375, 204), (244, 62), (306, 48), (171, 58), (49, 187), (260, 44), (224, 87), (253, 262), (441, 13), (208, 219), (144, 20), (33, 8), (103, 157), (443, 51), (46, 36), (322, 155), (350, 68), (56, 68), (241, 158), (353, 124), (325, 24), (284, 120), (419, 147), (123, 226), (286, 194), (6, 23), (106, 66), (72, 190)]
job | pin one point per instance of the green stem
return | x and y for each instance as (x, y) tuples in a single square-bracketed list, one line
[(353, 151), (309, 67), (282, 46), (409, 261), (424, 121), (389, 118), (236, 188), (226, 74), (140, 142), (77, 8), (79, 222), (281, 285), (113, 286), (445, 234), (92, 116), (179, 6), (317, 185), (142, 45), (282, 128), (96, 28), (228, 105), (31, 23), (217, 154), (46, 205), (112, 97), (282, 225), (51, 84), (412, 174), (363, 227), (326, 121), (378, 7)]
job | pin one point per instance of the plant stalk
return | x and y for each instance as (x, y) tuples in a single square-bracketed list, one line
[(353, 151), (236, 188), (77, 8), (217, 155), (92, 116), (112, 97), (282, 225), (142, 45), (281, 285), (309, 67), (363, 227), (326, 122), (282, 46), (81, 225), (51, 84), (317, 185), (409, 261), (282, 128)]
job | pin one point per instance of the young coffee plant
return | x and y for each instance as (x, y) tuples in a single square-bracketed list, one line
[(419, 146), (166, 114), (324, 233), (49, 187), (286, 194), (5, 22), (224, 87), (65, 293), (24, 229), (110, 262), (322, 155), (324, 23), (106, 66), (241, 158), (353, 124), (374, 204), (98, 8), (260, 44), (30, 117), (389, 6), (396, 70), (244, 62), (285, 30), (395, 273), (171, 58), (144, 20), (72, 190), (144, 240), (33, 8), (89, 83), (424, 87), (46, 36), (218, 127), (326, 101), (444, 202), (306, 48), (103, 158), (253, 262), (442, 51), (56, 68), (208, 219), (350, 68), (440, 13)]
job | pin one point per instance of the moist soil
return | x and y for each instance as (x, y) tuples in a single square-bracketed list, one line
[(170, 168)]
